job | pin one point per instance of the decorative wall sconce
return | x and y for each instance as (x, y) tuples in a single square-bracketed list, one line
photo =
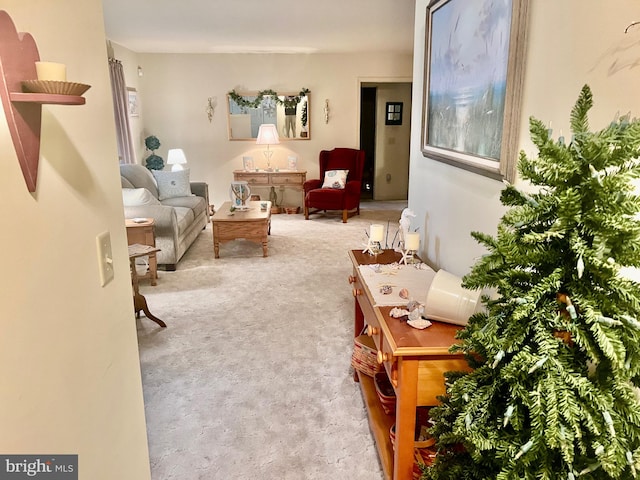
[(326, 111), (212, 102), (140, 72)]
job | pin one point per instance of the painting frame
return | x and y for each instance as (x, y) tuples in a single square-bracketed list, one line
[(393, 113), (132, 99), (461, 136)]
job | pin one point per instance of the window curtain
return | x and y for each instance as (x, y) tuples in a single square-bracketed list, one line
[(121, 111)]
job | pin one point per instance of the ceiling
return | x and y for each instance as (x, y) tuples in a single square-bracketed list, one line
[(260, 26)]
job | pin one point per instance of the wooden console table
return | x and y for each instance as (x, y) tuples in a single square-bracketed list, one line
[(415, 361), (282, 178)]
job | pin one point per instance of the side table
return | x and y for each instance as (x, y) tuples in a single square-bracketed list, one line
[(139, 302), (415, 362), (142, 231)]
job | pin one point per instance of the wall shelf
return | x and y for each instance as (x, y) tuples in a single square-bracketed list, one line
[(46, 98), (18, 57)]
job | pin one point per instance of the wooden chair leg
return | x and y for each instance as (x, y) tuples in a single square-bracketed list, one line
[(345, 215), (306, 212)]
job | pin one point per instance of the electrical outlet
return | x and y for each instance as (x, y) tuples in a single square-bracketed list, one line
[(105, 258)]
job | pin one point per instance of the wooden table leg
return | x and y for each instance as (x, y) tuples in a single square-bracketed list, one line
[(265, 245), (407, 398), (153, 268), (139, 302)]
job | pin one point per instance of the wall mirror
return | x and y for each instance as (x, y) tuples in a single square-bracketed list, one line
[(289, 112)]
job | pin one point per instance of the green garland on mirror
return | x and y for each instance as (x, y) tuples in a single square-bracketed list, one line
[(240, 100)]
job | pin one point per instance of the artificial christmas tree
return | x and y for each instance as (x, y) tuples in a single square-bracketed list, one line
[(556, 353)]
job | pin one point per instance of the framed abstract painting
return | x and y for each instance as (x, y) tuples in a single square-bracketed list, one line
[(474, 68)]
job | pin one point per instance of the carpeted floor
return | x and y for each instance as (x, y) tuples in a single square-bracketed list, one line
[(251, 378)]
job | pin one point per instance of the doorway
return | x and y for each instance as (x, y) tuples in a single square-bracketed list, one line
[(368, 139), (386, 141)]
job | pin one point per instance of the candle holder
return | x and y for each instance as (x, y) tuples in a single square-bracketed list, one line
[(408, 257), (373, 247), (374, 243)]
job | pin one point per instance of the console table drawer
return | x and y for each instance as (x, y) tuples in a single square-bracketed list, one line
[(286, 179), (252, 179)]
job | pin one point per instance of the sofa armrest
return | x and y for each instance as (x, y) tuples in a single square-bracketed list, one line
[(312, 184), (201, 189), (166, 220)]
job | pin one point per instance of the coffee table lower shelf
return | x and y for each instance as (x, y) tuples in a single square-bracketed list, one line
[(379, 422)]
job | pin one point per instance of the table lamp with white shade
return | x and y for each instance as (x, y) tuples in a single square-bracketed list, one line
[(268, 135), (176, 159)]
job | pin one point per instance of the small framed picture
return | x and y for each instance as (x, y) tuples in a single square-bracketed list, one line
[(292, 162), (393, 113), (247, 163), (133, 102)]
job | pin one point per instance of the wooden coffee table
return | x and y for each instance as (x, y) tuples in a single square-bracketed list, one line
[(253, 224)]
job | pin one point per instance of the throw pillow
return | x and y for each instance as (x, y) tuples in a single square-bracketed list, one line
[(172, 184), (134, 197), (335, 179)]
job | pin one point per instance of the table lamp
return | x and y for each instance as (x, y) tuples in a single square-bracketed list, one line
[(268, 135), (176, 159)]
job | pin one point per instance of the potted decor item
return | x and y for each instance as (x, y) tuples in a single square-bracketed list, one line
[(273, 198), (153, 161)]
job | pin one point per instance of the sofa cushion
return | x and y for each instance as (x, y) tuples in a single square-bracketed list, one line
[(195, 203), (185, 218), (134, 197), (139, 177), (172, 184)]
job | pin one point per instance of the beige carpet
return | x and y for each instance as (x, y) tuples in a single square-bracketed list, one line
[(251, 378)]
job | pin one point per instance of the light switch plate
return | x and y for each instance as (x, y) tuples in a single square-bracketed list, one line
[(105, 258)]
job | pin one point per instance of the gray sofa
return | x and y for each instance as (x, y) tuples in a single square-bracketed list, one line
[(178, 220)]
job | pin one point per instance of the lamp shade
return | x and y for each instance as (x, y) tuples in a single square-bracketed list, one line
[(176, 158), (268, 135)]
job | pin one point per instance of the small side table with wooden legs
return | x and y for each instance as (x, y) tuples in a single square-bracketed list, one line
[(139, 302), (142, 231)]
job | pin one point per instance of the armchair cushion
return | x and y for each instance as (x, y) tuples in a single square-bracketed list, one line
[(335, 179), (172, 184)]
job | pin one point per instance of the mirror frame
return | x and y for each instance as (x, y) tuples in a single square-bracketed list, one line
[(258, 98)]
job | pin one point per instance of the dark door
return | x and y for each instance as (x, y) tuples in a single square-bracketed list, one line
[(368, 138)]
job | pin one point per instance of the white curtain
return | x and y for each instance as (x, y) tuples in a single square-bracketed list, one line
[(121, 111)]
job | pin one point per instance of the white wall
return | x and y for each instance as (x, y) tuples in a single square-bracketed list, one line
[(571, 43), (175, 88), (69, 368)]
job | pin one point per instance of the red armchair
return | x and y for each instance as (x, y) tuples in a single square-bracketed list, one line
[(346, 199)]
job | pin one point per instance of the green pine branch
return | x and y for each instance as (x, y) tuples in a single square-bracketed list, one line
[(554, 355)]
